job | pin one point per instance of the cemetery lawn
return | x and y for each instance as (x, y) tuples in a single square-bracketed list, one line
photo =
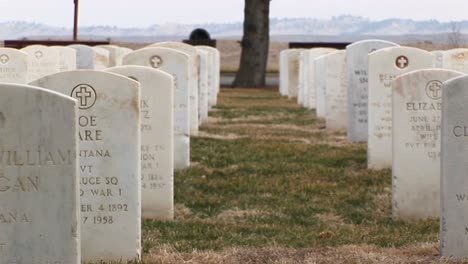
[(270, 185)]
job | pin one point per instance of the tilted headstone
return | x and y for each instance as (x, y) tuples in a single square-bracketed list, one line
[(157, 139), (357, 67), (456, 59), (310, 91), (384, 66), (336, 116), (192, 81), (101, 59), (85, 57), (67, 58), (43, 61), (175, 63), (109, 137), (416, 125), (39, 195), (203, 101), (454, 183), (13, 66)]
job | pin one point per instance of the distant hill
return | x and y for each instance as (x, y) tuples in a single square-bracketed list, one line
[(341, 28)]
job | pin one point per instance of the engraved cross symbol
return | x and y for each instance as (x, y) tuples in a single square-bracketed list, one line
[(84, 95), (434, 90), (402, 62), (155, 61), (4, 59)]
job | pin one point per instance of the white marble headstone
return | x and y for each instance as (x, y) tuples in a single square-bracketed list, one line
[(101, 59), (39, 195), (203, 102), (116, 54), (192, 81), (85, 57), (43, 61), (283, 72), (109, 137), (67, 58), (310, 91), (13, 66), (336, 116), (456, 59), (416, 125), (294, 56), (213, 74), (175, 63), (320, 84), (357, 67), (454, 183), (384, 66), (303, 76), (157, 139)]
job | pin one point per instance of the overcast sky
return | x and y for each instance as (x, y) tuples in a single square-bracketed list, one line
[(142, 13)]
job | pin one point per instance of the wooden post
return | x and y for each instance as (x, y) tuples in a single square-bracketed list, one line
[(75, 21)]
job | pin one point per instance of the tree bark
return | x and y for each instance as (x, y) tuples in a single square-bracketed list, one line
[(255, 44)]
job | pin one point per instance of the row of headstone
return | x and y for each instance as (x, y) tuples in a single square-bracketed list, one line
[(36, 61), (90, 153), (409, 105)]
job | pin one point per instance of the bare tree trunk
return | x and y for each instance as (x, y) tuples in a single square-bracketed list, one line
[(255, 44)]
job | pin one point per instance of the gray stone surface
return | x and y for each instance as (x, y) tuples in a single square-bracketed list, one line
[(39, 195), (336, 116), (357, 67), (454, 183)]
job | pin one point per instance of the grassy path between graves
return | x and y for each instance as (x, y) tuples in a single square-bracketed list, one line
[(270, 185)]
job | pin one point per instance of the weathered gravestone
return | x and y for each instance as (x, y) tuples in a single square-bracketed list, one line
[(13, 66), (85, 57), (416, 125), (454, 183), (213, 74), (309, 92), (439, 63), (303, 76), (116, 54), (293, 72), (357, 67), (456, 59), (39, 195), (43, 61), (283, 72), (203, 101), (192, 81), (67, 58), (384, 66), (109, 137), (175, 63), (157, 139), (320, 84), (101, 59), (336, 116)]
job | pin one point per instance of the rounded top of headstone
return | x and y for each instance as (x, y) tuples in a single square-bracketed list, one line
[(200, 34)]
